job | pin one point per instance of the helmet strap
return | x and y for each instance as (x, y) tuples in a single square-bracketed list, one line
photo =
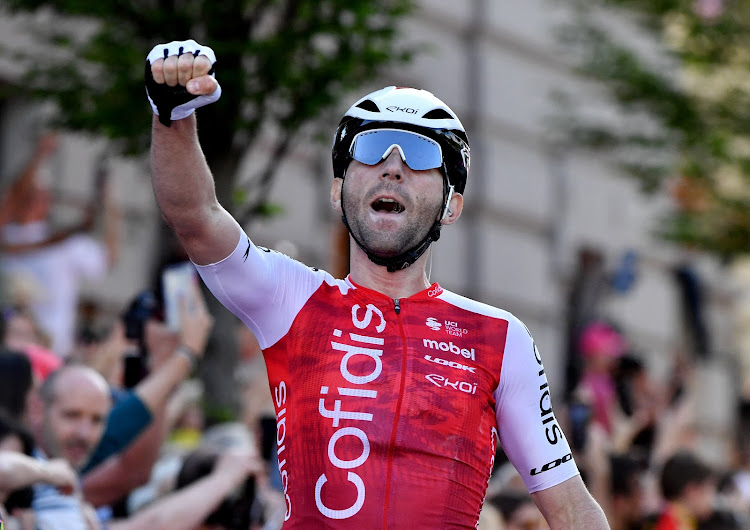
[(403, 260), (446, 208), (407, 258)]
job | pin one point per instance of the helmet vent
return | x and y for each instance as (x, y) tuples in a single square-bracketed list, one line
[(370, 105), (437, 114)]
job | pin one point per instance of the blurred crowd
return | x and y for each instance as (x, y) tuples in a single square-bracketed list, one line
[(635, 442), (102, 423), (102, 419)]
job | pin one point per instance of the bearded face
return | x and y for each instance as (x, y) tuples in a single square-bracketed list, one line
[(75, 419), (389, 207)]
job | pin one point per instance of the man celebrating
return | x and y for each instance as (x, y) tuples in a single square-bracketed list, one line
[(390, 392)]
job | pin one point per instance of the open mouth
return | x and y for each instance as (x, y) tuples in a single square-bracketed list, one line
[(387, 205)]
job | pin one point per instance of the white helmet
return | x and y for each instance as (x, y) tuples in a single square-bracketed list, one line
[(414, 110), (410, 109)]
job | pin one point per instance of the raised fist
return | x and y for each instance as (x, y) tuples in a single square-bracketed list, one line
[(180, 78)]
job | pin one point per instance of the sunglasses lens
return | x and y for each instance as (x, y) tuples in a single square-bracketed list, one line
[(419, 152)]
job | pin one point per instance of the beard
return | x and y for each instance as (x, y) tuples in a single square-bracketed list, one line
[(388, 243), (76, 452)]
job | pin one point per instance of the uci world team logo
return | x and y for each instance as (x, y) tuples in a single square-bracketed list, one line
[(432, 323)]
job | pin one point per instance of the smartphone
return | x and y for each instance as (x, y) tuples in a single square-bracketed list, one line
[(178, 283), (134, 369)]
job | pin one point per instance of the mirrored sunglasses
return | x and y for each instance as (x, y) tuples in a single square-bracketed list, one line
[(418, 151)]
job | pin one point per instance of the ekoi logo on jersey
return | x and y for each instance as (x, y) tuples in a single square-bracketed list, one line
[(355, 396), (455, 384)]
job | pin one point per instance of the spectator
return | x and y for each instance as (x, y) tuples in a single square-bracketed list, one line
[(173, 358), (601, 346), (16, 493), (192, 504), (627, 499), (18, 471), (689, 490), (20, 332), (68, 421), (16, 382), (53, 264), (235, 510)]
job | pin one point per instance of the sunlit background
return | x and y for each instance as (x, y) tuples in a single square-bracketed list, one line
[(609, 169)]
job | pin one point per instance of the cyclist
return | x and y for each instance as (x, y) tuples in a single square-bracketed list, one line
[(391, 393)]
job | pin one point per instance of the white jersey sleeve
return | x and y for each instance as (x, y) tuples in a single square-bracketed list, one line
[(528, 430), (262, 287)]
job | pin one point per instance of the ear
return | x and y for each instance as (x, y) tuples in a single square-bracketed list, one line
[(336, 194), (455, 207)]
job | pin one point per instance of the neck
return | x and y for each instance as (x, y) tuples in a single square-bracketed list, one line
[(399, 284)]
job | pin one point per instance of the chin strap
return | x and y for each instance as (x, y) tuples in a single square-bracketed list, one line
[(403, 260), (407, 258)]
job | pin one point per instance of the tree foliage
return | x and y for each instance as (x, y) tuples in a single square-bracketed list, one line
[(279, 61), (684, 102)]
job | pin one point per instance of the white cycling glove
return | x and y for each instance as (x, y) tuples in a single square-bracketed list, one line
[(175, 102)]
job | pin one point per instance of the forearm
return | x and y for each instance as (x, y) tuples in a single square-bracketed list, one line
[(155, 389), (585, 513), (186, 508), (182, 181), (18, 471), (569, 506), (589, 516), (118, 476), (112, 225)]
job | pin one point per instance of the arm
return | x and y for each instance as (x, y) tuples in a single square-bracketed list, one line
[(195, 327), (121, 474), (114, 472), (528, 429), (189, 506), (18, 471), (112, 215), (569, 506), (113, 479), (182, 181), (15, 201)]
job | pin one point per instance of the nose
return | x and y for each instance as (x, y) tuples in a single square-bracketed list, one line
[(393, 165), (85, 430)]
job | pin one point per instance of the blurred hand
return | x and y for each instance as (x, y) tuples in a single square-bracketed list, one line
[(160, 342), (60, 474), (195, 321), (239, 463)]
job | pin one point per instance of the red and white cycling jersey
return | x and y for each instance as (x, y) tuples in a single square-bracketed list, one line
[(388, 411)]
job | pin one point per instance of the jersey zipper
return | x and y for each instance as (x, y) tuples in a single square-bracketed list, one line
[(397, 416)]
